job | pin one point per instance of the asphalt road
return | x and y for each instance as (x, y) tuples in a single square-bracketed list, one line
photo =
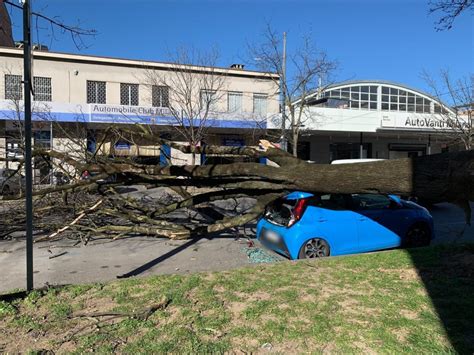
[(102, 260)]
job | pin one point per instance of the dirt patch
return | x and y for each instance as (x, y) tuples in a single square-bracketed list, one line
[(286, 347), (104, 304), (236, 308), (23, 343), (244, 345), (403, 274), (364, 347), (409, 314), (256, 296), (173, 314), (219, 288), (401, 335), (350, 305)]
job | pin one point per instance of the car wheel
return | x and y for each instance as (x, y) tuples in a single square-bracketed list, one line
[(417, 236), (314, 248)]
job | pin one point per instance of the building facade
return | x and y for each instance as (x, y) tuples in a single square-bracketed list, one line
[(373, 119), (78, 97)]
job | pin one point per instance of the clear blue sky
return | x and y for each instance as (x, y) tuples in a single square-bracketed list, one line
[(371, 39)]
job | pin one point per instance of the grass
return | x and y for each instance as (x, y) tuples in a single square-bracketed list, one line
[(390, 302)]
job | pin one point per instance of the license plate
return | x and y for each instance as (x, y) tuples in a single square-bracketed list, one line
[(272, 236)]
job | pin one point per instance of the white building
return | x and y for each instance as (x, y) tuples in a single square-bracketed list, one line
[(372, 119), (85, 95)]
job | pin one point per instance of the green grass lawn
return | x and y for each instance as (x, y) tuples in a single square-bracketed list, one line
[(390, 302)]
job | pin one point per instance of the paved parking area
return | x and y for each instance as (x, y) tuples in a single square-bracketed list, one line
[(103, 260), (450, 224)]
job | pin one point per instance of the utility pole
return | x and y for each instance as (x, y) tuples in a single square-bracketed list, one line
[(28, 169), (284, 142)]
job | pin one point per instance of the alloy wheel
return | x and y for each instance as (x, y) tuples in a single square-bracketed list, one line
[(315, 248)]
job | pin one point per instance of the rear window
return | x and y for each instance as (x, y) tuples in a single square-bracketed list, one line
[(330, 201), (279, 211)]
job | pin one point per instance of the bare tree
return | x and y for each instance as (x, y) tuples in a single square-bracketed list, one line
[(457, 119), (450, 10), (55, 24), (307, 66), (194, 88)]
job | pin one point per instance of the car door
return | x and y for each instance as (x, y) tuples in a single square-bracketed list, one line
[(372, 210), (336, 223)]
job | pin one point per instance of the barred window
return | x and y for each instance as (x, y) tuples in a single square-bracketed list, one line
[(129, 94), (42, 89), (234, 102), (208, 100), (96, 92), (401, 100), (260, 104), (13, 89), (160, 96)]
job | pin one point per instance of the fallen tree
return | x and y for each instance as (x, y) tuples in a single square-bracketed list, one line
[(447, 177)]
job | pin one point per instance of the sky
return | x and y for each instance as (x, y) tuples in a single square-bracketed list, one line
[(393, 40)]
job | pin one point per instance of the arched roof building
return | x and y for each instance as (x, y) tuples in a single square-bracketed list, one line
[(372, 119), (384, 96)]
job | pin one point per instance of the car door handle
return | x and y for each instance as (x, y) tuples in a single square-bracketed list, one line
[(322, 220), (362, 218)]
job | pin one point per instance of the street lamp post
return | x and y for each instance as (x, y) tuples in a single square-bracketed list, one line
[(28, 168), (283, 140)]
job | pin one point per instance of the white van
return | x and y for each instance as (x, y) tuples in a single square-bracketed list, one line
[(352, 161)]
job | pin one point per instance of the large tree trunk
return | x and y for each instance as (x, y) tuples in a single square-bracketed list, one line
[(436, 178)]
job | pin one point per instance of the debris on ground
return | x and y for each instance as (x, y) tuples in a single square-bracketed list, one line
[(257, 255)]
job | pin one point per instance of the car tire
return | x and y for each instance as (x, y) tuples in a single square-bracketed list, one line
[(417, 235), (314, 248)]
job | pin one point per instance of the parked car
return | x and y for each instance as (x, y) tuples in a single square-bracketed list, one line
[(354, 161), (10, 181), (304, 225)]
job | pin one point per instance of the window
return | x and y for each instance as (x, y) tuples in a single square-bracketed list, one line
[(208, 100), (42, 89), (96, 92), (260, 104), (13, 89), (234, 102), (336, 202), (370, 202), (14, 145), (357, 97), (403, 101), (129, 94), (42, 139), (160, 96)]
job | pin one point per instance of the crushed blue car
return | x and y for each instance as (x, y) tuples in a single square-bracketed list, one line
[(305, 225)]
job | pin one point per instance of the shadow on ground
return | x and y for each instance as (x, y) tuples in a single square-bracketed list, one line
[(448, 276)]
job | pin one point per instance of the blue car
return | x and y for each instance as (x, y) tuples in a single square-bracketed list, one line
[(304, 225)]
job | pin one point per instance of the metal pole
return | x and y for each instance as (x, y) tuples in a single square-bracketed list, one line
[(429, 144), (361, 146), (28, 169), (283, 96)]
